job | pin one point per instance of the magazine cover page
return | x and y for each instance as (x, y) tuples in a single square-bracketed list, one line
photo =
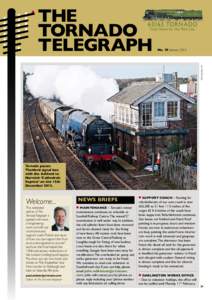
[(102, 104)]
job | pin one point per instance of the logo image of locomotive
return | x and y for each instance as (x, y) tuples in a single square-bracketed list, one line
[(88, 135), (151, 14)]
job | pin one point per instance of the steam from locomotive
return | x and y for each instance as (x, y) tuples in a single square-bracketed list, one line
[(75, 85)]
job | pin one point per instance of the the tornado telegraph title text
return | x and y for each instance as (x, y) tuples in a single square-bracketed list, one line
[(60, 31)]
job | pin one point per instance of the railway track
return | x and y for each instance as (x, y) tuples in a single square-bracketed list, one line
[(111, 180), (30, 150), (118, 178), (132, 182), (108, 179), (42, 150)]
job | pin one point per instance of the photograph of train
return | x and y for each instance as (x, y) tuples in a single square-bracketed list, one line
[(90, 135), (115, 126)]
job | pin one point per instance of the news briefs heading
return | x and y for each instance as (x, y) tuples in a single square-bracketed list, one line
[(105, 200)]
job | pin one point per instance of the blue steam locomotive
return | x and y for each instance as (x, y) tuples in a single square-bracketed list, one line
[(89, 135)]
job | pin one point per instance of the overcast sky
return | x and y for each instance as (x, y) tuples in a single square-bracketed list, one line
[(133, 70)]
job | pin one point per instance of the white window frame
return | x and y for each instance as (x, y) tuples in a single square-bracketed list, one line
[(155, 105), (127, 116), (152, 119), (178, 110)]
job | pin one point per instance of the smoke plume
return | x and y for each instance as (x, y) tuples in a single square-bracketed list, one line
[(76, 85)]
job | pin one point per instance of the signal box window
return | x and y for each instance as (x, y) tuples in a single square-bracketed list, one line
[(172, 108), (159, 109), (147, 114)]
